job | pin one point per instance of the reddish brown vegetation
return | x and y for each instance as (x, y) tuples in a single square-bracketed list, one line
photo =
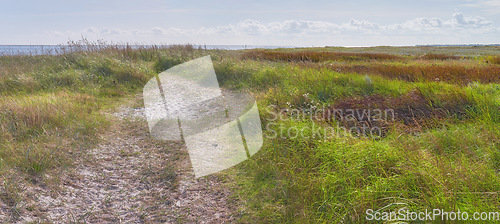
[(313, 56), (412, 110), (453, 73), (495, 60)]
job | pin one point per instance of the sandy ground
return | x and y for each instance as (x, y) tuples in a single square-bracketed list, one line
[(128, 178)]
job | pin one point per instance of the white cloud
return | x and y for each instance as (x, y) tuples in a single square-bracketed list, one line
[(418, 24), (460, 20), (360, 25), (256, 28)]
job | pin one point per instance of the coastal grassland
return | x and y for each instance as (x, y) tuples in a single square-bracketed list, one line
[(440, 150)]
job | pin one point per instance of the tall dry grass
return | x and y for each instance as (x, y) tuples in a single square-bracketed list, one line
[(313, 56), (495, 60), (23, 117)]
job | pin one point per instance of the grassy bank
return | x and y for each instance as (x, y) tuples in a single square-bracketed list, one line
[(439, 151), (436, 145), (51, 107)]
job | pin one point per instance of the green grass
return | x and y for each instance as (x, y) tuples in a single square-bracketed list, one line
[(442, 150), (51, 106), (446, 159)]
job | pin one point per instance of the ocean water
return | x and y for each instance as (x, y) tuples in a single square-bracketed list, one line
[(58, 49), (29, 49)]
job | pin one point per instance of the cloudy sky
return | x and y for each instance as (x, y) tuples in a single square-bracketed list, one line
[(261, 22)]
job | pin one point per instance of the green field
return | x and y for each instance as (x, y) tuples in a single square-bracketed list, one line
[(432, 140)]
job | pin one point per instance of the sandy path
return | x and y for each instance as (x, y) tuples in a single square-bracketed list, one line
[(131, 178)]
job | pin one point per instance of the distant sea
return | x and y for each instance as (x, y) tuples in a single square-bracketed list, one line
[(56, 49)]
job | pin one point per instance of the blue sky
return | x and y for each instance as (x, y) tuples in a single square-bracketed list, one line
[(237, 22)]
